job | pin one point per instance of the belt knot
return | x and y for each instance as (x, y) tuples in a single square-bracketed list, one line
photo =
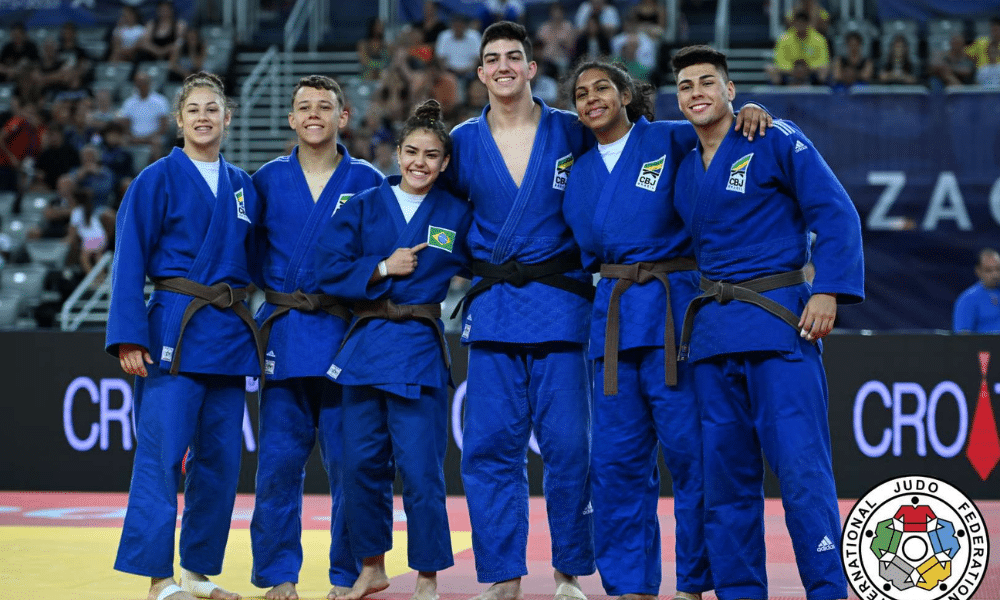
[(307, 302), (724, 292), (224, 297)]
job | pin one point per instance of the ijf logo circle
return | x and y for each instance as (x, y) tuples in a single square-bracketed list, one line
[(915, 538)]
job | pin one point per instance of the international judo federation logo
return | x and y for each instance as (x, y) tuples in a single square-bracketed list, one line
[(241, 206), (649, 174), (915, 538), (738, 175), (439, 237), (563, 165)]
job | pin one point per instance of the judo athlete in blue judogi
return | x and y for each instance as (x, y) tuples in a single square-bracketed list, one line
[(619, 204), (527, 318), (302, 329), (393, 251), (185, 222), (754, 332)]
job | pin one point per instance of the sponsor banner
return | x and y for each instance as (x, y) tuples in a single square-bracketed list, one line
[(85, 13), (914, 405), (924, 173), (899, 405)]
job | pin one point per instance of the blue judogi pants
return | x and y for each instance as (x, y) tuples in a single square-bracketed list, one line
[(294, 414), (626, 480), (513, 389), (766, 401), (173, 412), (384, 431)]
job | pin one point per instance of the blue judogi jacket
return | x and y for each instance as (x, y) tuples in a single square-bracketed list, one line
[(628, 216), (170, 225), (521, 223), (301, 344), (397, 356), (750, 215)]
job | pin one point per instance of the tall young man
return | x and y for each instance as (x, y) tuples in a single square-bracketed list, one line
[(754, 333), (304, 327), (526, 320)]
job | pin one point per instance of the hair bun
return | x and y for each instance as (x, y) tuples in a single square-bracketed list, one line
[(429, 110)]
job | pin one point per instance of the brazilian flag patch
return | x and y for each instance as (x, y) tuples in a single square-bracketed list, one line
[(438, 237)]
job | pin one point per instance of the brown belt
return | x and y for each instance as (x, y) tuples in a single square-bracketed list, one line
[(389, 310), (220, 295), (641, 272), (746, 291), (301, 301)]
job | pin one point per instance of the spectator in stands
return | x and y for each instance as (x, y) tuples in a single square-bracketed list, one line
[(385, 155), (977, 309), (819, 18), (556, 37), (458, 50), (47, 77), (126, 36), (57, 157), (800, 42), (373, 51), (78, 66), (500, 10), (163, 33), (953, 66), (898, 66), (102, 111), (18, 56), (114, 156), (146, 113), (607, 16), (476, 99), (86, 234), (431, 26), (55, 217), (591, 43), (20, 140), (635, 49), (986, 52), (187, 58), (854, 67), (650, 16), (94, 177), (438, 83)]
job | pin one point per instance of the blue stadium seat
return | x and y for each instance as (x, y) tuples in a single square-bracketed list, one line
[(10, 308), (50, 253), (28, 280)]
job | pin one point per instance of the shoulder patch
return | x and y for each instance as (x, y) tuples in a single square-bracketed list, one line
[(799, 146), (649, 174), (563, 166), (738, 175), (439, 237)]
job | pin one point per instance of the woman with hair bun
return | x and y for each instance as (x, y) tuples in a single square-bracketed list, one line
[(392, 251), (185, 222), (619, 204)]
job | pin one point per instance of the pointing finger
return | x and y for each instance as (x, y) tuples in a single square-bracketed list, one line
[(419, 247)]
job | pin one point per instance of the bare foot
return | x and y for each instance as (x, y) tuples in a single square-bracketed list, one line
[(284, 591), (372, 579), (200, 587), (338, 591), (157, 586), (567, 587), (502, 590), (426, 588), (687, 596)]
